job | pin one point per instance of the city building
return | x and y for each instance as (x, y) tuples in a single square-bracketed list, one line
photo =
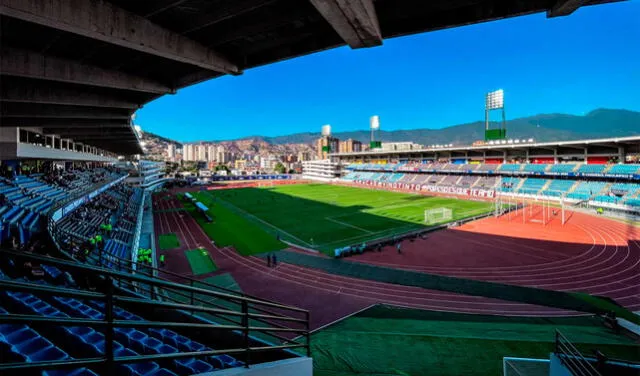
[(240, 164), (202, 153), (350, 146), (323, 169), (171, 152), (211, 153), (326, 145), (188, 153)]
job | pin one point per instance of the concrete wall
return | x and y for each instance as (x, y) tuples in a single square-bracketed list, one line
[(8, 142), (287, 367), (41, 152)]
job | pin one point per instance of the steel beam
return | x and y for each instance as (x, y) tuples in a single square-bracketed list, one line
[(355, 21), (108, 23), (28, 64)]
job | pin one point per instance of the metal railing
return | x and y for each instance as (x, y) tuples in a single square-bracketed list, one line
[(572, 358), (101, 258), (247, 347)]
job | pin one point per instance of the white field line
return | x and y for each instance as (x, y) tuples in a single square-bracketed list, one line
[(347, 224)]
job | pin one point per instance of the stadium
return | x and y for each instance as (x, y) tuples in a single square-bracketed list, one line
[(505, 257)]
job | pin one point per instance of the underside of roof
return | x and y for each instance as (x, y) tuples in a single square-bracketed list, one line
[(80, 68)]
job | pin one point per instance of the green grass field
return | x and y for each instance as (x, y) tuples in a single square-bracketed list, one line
[(326, 217), (200, 261), (168, 241), (396, 341)]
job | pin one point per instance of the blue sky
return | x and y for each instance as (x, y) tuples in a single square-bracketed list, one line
[(570, 65)]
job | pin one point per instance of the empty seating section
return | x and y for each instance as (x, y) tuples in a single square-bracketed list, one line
[(488, 167), (591, 169), (21, 343), (467, 181), (585, 190), (562, 168), (532, 186), (510, 167), (626, 169), (535, 167), (486, 182), (558, 188), (450, 180)]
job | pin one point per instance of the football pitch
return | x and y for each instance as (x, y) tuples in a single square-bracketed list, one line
[(326, 217)]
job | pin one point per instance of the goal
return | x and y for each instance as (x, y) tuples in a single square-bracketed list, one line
[(438, 215)]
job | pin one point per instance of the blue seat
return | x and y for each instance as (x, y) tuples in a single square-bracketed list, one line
[(66, 372), (161, 372), (191, 366)]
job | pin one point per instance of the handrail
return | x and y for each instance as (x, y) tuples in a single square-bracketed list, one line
[(111, 297), (142, 279), (572, 358)]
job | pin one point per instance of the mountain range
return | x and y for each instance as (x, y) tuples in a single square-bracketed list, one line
[(545, 127), (600, 123)]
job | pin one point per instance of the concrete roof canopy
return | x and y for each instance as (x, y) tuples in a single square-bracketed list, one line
[(80, 68)]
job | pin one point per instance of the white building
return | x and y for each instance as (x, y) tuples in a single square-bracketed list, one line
[(189, 154), (322, 169), (392, 146), (171, 152), (211, 153), (221, 155), (202, 153)]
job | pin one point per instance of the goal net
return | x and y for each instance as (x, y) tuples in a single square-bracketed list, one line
[(438, 215)]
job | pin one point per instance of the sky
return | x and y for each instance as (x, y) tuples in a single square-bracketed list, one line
[(574, 64)]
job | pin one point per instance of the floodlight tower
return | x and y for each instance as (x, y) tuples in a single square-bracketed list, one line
[(494, 101), (374, 125)]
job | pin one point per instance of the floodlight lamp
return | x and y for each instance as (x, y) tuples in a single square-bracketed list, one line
[(517, 141), (510, 141), (531, 140), (374, 122), (503, 142)]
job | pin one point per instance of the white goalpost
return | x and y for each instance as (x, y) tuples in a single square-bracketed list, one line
[(437, 215)]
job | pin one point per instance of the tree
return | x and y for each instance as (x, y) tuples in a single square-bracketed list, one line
[(279, 168)]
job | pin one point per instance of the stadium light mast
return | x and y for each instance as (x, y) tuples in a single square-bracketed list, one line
[(494, 100), (374, 125)]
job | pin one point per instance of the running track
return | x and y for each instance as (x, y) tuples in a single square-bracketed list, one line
[(330, 297)]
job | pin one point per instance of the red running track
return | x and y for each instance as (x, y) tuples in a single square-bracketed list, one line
[(589, 254), (328, 297)]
